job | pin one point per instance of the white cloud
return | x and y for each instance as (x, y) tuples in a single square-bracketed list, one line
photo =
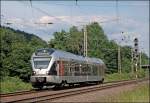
[(75, 19), (131, 27), (46, 19), (68, 20)]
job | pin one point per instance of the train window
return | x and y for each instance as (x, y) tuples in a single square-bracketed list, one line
[(84, 69), (53, 69), (44, 51), (101, 69), (98, 69), (66, 72), (94, 69), (88, 69), (77, 70), (66, 68), (72, 69), (41, 63)]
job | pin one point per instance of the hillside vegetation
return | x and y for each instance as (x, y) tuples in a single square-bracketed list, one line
[(16, 50)]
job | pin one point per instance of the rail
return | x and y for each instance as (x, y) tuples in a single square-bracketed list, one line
[(65, 93)]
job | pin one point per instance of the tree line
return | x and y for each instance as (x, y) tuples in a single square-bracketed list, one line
[(99, 46), (17, 47)]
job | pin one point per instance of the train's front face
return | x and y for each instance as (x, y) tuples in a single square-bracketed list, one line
[(41, 62), (40, 65)]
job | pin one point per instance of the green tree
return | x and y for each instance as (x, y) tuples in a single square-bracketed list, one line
[(98, 46), (16, 50)]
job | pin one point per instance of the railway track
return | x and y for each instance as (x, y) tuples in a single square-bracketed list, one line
[(52, 95), (36, 90), (17, 93)]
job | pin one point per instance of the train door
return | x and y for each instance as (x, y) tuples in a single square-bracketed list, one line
[(53, 70), (61, 68)]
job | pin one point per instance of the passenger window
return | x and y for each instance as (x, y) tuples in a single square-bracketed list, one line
[(94, 70), (66, 68), (77, 70), (84, 69)]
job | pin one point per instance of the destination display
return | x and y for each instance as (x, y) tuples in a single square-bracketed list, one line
[(42, 52)]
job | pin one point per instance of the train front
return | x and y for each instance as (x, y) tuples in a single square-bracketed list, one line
[(41, 62)]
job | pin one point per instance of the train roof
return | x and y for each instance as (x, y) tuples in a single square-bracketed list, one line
[(67, 55)]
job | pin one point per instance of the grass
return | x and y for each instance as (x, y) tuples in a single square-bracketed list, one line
[(117, 76), (139, 94), (13, 84), (124, 76)]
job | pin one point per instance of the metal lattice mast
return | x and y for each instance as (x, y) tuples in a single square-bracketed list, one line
[(132, 67), (85, 41), (140, 59), (119, 60)]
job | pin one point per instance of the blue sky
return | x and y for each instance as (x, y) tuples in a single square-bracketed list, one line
[(133, 18)]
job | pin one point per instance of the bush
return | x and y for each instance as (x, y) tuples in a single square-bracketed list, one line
[(141, 73), (12, 84), (117, 76), (124, 76)]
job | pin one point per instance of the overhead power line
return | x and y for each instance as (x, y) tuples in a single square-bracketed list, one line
[(44, 12), (117, 11)]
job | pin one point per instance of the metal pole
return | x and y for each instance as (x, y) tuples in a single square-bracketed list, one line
[(119, 60), (136, 65), (140, 59), (85, 41), (132, 66)]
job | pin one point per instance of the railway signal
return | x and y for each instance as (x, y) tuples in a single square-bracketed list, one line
[(135, 56), (136, 51)]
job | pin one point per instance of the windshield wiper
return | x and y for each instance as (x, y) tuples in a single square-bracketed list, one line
[(40, 68)]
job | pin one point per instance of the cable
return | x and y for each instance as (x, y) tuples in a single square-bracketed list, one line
[(87, 13), (103, 5), (76, 2), (44, 12), (117, 11), (31, 9)]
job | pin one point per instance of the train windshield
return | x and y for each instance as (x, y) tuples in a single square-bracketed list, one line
[(41, 63)]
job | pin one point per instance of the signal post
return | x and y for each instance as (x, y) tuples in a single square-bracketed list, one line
[(135, 57)]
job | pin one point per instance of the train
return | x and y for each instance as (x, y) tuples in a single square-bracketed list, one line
[(52, 67)]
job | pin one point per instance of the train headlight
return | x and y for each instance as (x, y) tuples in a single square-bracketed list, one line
[(33, 72)]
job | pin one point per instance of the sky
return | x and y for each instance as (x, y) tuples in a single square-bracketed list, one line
[(122, 21)]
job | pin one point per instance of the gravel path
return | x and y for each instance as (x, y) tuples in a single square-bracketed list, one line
[(99, 95)]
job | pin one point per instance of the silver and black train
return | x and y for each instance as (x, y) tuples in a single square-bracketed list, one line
[(56, 67)]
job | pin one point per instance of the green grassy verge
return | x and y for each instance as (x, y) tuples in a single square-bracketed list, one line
[(12, 84), (124, 76), (117, 76), (139, 94)]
